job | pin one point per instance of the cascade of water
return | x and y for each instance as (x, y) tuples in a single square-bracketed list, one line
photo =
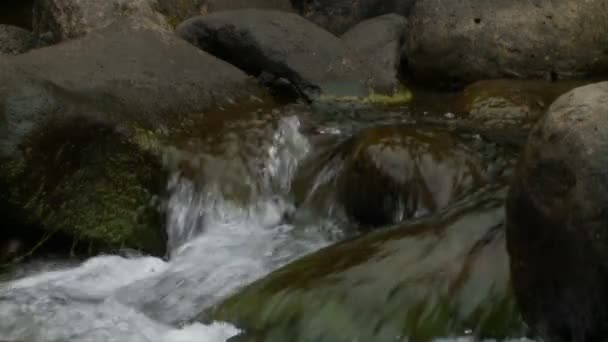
[(218, 242)]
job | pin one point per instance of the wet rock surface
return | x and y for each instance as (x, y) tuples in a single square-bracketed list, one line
[(435, 277), (283, 45), (456, 43), (391, 174), (556, 219)]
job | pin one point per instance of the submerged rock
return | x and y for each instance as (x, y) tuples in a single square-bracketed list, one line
[(378, 42), (283, 45), (337, 16), (459, 42), (557, 222), (443, 276), (499, 104), (393, 173), (14, 40)]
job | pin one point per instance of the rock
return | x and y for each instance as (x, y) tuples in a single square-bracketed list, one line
[(17, 13), (338, 16), (393, 173), (442, 276), (284, 45), (557, 219), (228, 5), (68, 19), (455, 43), (81, 124), (67, 170), (14, 40), (141, 70), (503, 103), (378, 42)]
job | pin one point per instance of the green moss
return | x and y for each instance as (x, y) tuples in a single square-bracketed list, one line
[(401, 96), (88, 181)]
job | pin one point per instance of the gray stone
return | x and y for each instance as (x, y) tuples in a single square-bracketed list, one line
[(14, 40)]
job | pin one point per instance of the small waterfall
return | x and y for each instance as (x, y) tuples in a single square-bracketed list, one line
[(226, 227)]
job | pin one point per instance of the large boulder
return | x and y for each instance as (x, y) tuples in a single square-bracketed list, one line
[(139, 69), (557, 219), (337, 16), (378, 41), (458, 42), (393, 173), (14, 40), (81, 124), (444, 276), (283, 45)]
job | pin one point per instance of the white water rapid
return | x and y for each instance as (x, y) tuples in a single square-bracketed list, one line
[(217, 245)]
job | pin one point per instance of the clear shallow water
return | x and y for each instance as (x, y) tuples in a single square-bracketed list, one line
[(218, 242)]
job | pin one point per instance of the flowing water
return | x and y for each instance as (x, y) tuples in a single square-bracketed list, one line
[(234, 225)]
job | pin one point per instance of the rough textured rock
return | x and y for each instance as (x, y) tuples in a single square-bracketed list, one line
[(459, 42), (378, 43), (391, 173), (14, 40), (499, 104), (141, 70), (435, 278), (283, 45), (557, 219), (61, 20), (337, 16)]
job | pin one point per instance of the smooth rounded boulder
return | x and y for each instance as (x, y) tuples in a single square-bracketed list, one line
[(391, 174), (378, 42), (229, 5), (143, 71), (557, 219), (455, 43), (283, 45)]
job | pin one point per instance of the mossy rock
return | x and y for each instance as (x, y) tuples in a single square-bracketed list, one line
[(442, 276), (83, 179)]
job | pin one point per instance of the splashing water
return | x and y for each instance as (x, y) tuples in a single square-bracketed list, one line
[(216, 245)]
